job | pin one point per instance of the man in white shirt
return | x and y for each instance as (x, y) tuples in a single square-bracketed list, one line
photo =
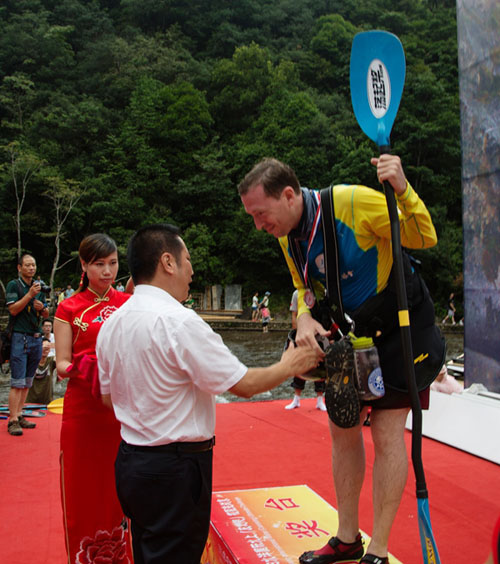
[(48, 334), (160, 367)]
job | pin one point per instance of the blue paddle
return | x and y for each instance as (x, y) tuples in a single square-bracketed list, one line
[(377, 76), (25, 413), (29, 406)]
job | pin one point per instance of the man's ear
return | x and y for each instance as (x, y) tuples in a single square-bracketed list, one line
[(288, 193), (167, 261)]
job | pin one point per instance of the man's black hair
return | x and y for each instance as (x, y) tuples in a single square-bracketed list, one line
[(146, 247), (20, 260)]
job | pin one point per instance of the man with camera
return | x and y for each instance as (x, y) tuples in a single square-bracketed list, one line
[(27, 306)]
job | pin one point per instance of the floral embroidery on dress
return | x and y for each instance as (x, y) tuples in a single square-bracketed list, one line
[(105, 313), (104, 548)]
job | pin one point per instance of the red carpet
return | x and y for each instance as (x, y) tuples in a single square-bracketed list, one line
[(31, 528), (260, 445)]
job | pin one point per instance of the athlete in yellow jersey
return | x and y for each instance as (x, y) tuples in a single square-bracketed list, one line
[(272, 195)]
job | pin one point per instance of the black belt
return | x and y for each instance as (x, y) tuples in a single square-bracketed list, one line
[(36, 335), (201, 446)]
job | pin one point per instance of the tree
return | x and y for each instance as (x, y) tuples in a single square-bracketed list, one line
[(204, 256), (159, 107), (239, 87), (15, 92), (64, 195), (22, 165), (332, 45)]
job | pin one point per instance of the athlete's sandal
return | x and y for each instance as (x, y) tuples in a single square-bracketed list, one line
[(372, 559), (338, 552)]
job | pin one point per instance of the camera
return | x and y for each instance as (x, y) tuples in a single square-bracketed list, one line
[(43, 288)]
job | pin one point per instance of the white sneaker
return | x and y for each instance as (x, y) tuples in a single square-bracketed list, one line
[(320, 404), (295, 403)]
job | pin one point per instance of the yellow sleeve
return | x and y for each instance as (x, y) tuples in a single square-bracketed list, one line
[(364, 210), (417, 229)]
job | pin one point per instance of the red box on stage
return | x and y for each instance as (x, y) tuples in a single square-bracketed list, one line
[(268, 526)]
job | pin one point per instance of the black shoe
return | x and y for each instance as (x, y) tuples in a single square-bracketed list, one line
[(14, 428), (372, 559), (342, 552), (25, 424)]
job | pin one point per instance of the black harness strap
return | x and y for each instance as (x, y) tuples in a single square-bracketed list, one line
[(330, 308), (331, 254)]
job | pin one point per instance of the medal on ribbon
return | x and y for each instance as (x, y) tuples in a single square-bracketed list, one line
[(309, 299)]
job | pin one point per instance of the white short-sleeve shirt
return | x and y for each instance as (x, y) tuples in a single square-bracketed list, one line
[(163, 365)]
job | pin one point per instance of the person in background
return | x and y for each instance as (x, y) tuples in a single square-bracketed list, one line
[(266, 318), (69, 291), (160, 367), (26, 304), (47, 327), (451, 310), (298, 383), (90, 434), (446, 383), (189, 303), (120, 287), (61, 296), (265, 300), (255, 306), (41, 391)]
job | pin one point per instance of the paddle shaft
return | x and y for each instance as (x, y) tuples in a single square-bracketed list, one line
[(409, 367)]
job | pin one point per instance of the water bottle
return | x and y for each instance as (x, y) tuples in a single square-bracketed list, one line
[(368, 371)]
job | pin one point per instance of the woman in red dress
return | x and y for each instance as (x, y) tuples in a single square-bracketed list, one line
[(96, 529)]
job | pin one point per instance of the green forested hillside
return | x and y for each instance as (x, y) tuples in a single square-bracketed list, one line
[(115, 113)]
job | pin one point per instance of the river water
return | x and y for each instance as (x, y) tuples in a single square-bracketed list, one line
[(253, 348)]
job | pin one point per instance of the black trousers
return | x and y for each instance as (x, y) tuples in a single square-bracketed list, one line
[(167, 496), (300, 384)]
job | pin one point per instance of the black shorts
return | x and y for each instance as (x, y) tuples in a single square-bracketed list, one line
[(394, 399)]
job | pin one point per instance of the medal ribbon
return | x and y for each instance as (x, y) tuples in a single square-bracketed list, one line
[(314, 230)]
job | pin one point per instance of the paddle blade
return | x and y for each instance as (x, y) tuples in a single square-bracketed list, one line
[(56, 406), (377, 76), (429, 547)]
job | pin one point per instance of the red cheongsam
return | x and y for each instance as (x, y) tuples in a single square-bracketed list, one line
[(96, 529)]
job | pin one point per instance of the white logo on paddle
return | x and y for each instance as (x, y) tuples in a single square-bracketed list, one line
[(378, 88)]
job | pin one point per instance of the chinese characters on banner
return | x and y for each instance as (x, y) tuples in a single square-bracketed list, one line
[(268, 525)]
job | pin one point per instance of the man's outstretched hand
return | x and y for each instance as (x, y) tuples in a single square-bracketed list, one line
[(301, 359)]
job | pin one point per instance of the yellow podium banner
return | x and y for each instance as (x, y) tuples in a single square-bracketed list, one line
[(269, 526)]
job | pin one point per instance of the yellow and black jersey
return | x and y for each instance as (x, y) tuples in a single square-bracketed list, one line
[(364, 240)]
